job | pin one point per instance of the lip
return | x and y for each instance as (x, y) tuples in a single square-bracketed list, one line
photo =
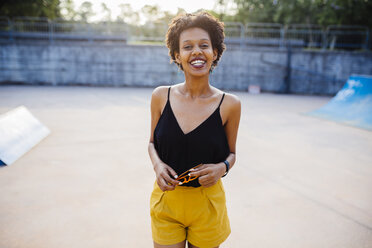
[(197, 58), (200, 65)]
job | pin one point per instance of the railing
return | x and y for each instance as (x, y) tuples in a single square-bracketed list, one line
[(31, 28), (268, 34), (347, 36), (237, 34), (310, 36)]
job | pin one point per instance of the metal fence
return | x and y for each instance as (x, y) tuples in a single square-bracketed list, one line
[(31, 28), (251, 34)]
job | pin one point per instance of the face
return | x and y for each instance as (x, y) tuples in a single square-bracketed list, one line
[(196, 54)]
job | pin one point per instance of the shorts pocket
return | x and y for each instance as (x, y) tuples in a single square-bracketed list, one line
[(216, 211), (216, 198), (156, 199), (216, 191), (220, 185)]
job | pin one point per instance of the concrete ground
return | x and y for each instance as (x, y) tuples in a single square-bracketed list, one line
[(298, 182)]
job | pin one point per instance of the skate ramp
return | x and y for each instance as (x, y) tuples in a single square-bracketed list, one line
[(352, 105), (19, 132)]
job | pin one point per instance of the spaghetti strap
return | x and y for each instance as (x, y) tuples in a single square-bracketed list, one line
[(221, 99), (169, 92)]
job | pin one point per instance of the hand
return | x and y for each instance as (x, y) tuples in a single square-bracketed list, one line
[(164, 174), (209, 174)]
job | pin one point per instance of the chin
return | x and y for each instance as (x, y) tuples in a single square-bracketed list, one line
[(204, 74), (201, 73)]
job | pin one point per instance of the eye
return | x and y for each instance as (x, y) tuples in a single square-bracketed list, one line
[(187, 47), (204, 45)]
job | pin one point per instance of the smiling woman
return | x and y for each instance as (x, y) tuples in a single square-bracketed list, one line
[(212, 32), (194, 128)]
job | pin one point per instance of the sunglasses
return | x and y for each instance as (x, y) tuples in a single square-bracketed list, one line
[(185, 178)]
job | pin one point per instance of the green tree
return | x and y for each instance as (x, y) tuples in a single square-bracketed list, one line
[(299, 11), (223, 10), (345, 12), (85, 12), (151, 12), (166, 17), (35, 8), (127, 14), (180, 11), (322, 12), (255, 10), (154, 26), (106, 13), (68, 10)]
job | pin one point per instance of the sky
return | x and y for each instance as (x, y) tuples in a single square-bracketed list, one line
[(169, 5)]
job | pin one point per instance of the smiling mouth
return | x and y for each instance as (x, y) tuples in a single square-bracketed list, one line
[(197, 63)]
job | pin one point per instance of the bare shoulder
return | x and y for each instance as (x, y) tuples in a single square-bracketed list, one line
[(159, 92), (232, 102), (159, 98)]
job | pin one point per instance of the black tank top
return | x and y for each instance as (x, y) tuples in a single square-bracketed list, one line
[(207, 143)]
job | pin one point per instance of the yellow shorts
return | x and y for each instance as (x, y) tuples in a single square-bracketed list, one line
[(196, 214)]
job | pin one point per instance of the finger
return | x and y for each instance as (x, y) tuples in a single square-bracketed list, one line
[(203, 180), (172, 172), (164, 186), (201, 172), (207, 181), (203, 166), (169, 179), (210, 184)]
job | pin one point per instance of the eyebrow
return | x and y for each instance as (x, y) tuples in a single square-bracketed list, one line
[(191, 40)]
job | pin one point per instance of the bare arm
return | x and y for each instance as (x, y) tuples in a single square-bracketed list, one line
[(163, 172), (232, 127)]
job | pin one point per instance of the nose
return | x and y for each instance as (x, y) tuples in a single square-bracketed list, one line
[(196, 50)]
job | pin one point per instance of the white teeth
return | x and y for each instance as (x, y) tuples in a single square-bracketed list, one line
[(198, 62)]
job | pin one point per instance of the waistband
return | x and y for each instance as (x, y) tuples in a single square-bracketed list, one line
[(217, 186)]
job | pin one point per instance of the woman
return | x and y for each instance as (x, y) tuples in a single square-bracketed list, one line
[(192, 123)]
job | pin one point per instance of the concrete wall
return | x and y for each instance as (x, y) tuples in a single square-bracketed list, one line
[(312, 72)]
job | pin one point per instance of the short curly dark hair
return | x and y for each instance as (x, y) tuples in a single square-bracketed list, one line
[(202, 20)]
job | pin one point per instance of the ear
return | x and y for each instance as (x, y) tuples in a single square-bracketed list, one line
[(177, 56), (215, 53)]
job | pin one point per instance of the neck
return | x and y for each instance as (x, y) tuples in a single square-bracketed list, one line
[(196, 86)]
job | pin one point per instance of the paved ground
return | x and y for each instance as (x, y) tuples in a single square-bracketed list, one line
[(299, 181)]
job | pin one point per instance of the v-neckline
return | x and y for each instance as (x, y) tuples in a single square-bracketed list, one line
[(194, 129)]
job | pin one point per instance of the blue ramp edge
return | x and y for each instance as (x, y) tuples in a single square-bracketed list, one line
[(20, 131), (352, 105), (2, 163)]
